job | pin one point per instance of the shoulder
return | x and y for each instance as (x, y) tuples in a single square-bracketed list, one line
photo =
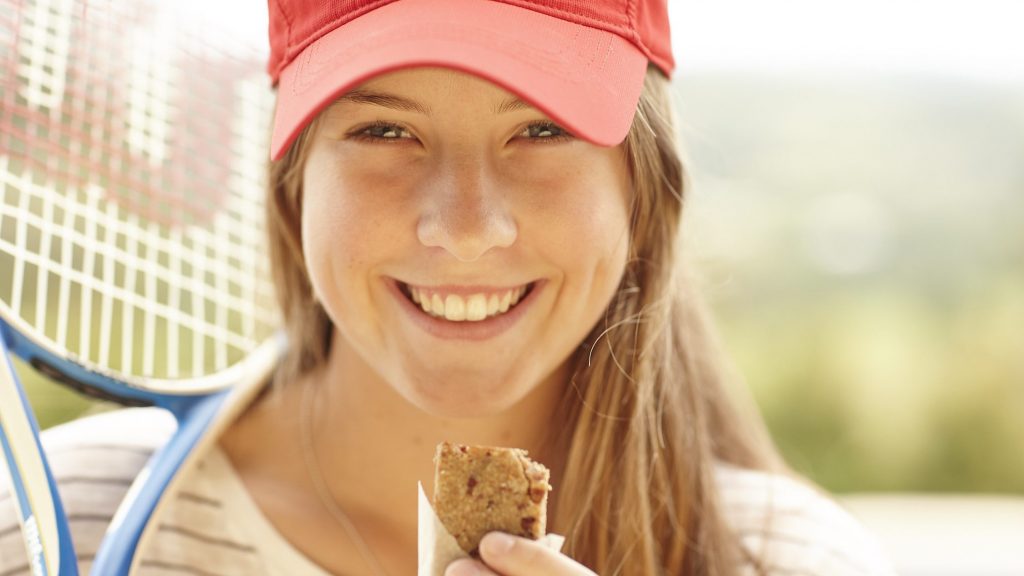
[(104, 451), (791, 527), (94, 461)]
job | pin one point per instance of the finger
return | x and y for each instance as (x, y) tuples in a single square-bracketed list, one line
[(512, 556), (467, 567)]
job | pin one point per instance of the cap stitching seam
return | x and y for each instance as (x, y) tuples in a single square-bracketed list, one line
[(634, 26), (330, 26), (583, 20), (288, 37)]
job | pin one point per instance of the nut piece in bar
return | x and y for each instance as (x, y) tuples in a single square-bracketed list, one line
[(479, 489)]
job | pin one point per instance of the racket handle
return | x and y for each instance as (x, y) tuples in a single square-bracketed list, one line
[(117, 552), (44, 525)]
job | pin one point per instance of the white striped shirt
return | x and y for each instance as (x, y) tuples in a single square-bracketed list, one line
[(213, 527)]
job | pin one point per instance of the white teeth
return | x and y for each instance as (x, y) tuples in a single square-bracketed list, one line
[(473, 308), (454, 308), (517, 295), (476, 307)]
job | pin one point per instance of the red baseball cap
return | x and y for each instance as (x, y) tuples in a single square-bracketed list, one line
[(581, 62)]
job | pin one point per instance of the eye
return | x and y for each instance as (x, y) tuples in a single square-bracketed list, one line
[(381, 132), (545, 131)]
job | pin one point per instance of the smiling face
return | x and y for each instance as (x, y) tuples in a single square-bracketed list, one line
[(462, 244)]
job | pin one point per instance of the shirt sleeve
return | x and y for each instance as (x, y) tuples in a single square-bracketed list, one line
[(789, 528), (94, 461)]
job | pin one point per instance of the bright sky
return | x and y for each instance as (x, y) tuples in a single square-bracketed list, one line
[(980, 39)]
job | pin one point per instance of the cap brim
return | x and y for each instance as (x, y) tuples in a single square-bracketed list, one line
[(586, 79)]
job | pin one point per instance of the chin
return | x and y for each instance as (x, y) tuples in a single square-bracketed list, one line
[(459, 398)]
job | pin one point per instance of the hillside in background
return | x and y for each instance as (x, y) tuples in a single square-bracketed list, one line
[(862, 242)]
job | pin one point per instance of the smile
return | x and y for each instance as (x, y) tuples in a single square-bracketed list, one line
[(465, 307)]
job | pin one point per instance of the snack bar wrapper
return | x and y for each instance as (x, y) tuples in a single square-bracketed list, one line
[(438, 548)]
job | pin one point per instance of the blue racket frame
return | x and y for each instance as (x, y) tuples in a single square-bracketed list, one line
[(193, 412), (67, 563)]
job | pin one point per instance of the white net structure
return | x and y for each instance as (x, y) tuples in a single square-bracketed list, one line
[(133, 153)]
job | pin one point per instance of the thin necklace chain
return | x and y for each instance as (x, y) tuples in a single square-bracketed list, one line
[(323, 493)]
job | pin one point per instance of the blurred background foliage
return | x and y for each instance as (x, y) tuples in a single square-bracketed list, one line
[(861, 239)]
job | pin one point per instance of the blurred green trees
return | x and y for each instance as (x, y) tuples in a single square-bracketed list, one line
[(862, 242)]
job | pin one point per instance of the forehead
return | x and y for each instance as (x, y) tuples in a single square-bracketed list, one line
[(419, 89)]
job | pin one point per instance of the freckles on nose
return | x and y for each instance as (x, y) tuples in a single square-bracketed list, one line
[(467, 229)]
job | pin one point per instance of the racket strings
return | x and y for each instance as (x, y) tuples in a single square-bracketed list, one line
[(79, 257), (132, 174)]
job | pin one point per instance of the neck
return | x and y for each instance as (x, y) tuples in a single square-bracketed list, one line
[(372, 439), (374, 445)]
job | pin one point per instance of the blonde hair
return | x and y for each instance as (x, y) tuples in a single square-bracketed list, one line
[(649, 407)]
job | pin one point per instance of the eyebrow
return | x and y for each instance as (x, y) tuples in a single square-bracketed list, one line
[(511, 105), (363, 96)]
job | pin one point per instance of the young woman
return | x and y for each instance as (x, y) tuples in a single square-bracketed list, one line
[(473, 219)]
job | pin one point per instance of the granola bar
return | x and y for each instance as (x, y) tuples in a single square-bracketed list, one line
[(479, 489)]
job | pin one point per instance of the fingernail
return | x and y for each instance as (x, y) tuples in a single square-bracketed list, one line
[(462, 568), (496, 544)]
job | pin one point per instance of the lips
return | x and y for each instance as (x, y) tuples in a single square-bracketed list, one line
[(465, 304)]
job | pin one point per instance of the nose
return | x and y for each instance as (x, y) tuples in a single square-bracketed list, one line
[(465, 213)]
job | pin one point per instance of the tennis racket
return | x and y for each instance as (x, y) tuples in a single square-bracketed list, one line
[(133, 148)]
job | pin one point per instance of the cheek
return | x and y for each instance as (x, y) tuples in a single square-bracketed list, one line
[(583, 214), (350, 221), (329, 229)]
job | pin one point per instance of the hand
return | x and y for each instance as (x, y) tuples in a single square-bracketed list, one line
[(505, 555)]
